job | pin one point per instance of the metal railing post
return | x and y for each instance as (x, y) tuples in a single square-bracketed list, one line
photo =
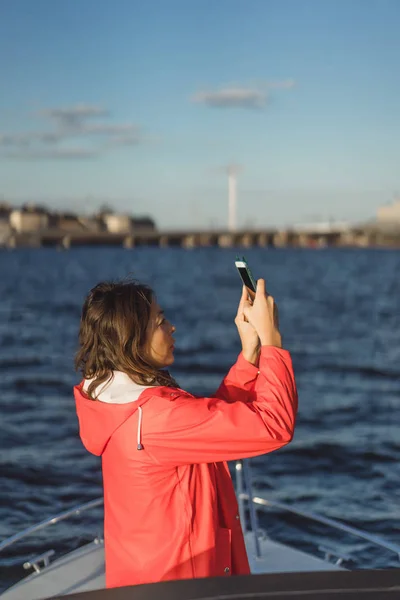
[(253, 513)]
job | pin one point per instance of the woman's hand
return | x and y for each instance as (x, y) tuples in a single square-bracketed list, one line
[(263, 316), (248, 335)]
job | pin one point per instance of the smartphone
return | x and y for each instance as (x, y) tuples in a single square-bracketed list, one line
[(246, 275)]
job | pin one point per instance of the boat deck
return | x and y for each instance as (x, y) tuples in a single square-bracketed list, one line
[(83, 569)]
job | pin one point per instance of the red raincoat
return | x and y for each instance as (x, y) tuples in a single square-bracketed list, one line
[(170, 510)]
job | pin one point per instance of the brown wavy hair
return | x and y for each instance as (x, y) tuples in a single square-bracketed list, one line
[(113, 335)]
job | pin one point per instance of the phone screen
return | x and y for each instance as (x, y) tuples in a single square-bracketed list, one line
[(246, 275)]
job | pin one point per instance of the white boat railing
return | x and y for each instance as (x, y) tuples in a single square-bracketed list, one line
[(243, 472), (51, 521), (263, 503)]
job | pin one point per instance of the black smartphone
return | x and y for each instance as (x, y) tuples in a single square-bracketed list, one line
[(246, 275)]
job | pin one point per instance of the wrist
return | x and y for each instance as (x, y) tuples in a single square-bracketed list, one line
[(272, 340), (252, 355)]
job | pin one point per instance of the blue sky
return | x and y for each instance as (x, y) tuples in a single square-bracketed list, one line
[(141, 104)]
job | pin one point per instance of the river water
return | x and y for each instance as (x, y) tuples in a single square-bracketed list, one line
[(340, 318)]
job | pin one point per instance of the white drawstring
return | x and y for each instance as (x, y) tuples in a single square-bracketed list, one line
[(139, 431)]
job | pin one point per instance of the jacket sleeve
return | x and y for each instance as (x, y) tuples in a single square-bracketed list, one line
[(239, 383), (203, 430)]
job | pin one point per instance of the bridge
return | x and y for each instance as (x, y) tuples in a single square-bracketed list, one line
[(367, 236)]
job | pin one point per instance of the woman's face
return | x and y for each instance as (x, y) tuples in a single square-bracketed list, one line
[(160, 343)]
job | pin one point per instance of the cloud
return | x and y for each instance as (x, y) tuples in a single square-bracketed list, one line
[(73, 117), (19, 140), (81, 125), (235, 97), (107, 129), (241, 97), (56, 154)]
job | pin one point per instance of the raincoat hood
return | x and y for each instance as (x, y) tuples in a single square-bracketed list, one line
[(117, 400)]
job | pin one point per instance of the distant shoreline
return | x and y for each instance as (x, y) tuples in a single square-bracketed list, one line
[(357, 237)]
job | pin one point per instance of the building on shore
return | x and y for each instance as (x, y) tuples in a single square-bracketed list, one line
[(5, 210), (33, 219), (143, 224), (388, 215), (28, 219), (5, 227), (123, 223), (72, 223), (117, 223)]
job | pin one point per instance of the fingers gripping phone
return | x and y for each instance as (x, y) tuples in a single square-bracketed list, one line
[(246, 276)]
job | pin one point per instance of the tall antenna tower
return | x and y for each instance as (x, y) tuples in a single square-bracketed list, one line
[(232, 170)]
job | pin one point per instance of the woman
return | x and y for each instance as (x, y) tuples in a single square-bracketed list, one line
[(170, 509)]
